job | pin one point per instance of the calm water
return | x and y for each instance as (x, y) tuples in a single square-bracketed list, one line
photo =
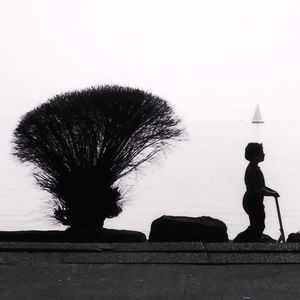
[(202, 176)]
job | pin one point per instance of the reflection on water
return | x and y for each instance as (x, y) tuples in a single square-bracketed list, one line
[(203, 176)]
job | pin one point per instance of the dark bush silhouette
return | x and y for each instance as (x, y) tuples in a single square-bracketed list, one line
[(81, 143)]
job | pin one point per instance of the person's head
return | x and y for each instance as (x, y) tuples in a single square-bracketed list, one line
[(254, 152)]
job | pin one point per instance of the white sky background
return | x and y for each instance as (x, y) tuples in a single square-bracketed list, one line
[(212, 60)]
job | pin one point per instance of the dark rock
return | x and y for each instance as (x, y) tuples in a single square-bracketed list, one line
[(188, 229), (243, 238), (102, 236), (294, 237)]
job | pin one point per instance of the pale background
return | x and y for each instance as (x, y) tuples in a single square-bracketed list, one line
[(212, 60)]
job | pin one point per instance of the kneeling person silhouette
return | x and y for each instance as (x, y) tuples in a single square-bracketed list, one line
[(255, 192)]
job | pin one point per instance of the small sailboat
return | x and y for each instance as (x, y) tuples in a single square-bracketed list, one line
[(257, 116)]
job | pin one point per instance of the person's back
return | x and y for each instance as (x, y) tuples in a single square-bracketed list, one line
[(254, 181)]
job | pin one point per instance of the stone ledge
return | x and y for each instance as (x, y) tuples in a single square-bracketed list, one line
[(148, 253), (151, 247)]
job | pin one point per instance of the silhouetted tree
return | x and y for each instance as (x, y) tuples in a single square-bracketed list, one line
[(81, 143)]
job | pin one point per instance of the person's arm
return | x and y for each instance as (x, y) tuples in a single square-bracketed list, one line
[(269, 192), (258, 184)]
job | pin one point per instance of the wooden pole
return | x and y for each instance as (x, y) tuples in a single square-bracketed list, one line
[(282, 237)]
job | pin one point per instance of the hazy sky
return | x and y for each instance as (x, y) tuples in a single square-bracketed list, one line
[(212, 60)]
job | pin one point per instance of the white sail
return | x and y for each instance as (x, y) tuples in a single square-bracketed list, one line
[(257, 116)]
